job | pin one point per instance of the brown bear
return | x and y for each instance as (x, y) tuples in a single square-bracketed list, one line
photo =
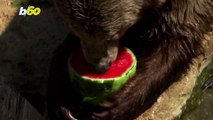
[(165, 36)]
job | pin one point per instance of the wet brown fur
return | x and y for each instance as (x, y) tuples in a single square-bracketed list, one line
[(166, 38)]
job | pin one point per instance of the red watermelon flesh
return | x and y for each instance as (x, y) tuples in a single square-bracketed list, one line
[(118, 67)]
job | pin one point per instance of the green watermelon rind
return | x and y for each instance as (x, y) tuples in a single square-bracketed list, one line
[(96, 90)]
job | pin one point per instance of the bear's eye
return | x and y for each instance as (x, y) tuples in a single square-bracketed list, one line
[(119, 34), (115, 37)]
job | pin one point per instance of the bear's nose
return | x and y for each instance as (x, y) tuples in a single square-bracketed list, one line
[(102, 67)]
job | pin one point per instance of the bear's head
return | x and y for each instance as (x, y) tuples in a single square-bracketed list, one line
[(100, 24)]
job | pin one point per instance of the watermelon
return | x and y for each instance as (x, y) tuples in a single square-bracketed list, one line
[(94, 86)]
